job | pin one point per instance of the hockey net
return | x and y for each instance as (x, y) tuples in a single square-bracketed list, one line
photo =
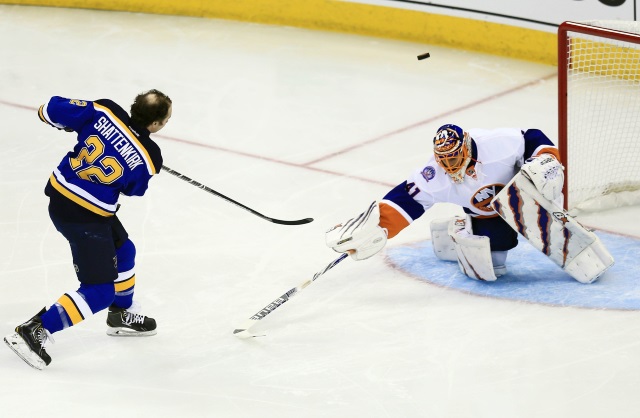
[(599, 113)]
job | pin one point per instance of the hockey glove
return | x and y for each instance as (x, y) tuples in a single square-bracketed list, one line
[(546, 173), (361, 236)]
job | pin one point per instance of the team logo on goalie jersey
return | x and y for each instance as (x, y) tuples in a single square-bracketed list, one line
[(482, 198), (428, 173)]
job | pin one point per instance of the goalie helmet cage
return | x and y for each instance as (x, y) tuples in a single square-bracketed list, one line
[(599, 113)]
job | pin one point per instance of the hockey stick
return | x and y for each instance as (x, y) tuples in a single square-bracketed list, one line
[(243, 331), (228, 199)]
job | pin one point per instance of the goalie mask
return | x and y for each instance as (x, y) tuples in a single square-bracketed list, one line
[(452, 149)]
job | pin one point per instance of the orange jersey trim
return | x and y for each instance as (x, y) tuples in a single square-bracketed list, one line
[(553, 151), (391, 220)]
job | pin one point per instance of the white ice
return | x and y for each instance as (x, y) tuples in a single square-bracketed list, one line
[(295, 124)]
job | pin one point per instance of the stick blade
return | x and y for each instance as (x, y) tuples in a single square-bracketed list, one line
[(296, 222), (244, 331), (244, 334)]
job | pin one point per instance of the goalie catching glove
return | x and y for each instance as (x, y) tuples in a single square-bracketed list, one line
[(361, 236), (546, 173)]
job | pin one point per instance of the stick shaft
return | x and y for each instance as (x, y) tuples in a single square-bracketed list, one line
[(228, 199), (284, 298)]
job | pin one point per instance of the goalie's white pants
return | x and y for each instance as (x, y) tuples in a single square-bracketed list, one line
[(453, 240)]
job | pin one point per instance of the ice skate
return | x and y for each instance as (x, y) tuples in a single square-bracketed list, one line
[(125, 323), (28, 342)]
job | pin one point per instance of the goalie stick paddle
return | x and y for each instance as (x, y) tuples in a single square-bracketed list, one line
[(243, 331), (228, 199)]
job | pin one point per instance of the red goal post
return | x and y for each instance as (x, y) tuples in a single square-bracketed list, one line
[(599, 113)]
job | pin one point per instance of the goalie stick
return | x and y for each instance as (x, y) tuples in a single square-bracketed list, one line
[(243, 331), (228, 199)]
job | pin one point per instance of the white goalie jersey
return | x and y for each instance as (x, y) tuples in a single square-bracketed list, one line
[(497, 155)]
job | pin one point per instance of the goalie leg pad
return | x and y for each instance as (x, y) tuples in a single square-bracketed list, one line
[(473, 251), (590, 264), (443, 245), (550, 229)]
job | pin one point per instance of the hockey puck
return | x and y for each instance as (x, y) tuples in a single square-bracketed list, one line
[(424, 56)]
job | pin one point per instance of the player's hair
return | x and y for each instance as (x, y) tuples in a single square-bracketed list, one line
[(149, 107)]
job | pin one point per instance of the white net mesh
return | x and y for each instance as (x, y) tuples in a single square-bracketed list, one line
[(603, 118)]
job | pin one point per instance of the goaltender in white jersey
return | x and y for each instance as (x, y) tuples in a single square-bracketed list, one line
[(470, 168)]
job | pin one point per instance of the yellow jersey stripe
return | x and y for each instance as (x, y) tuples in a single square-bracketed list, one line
[(126, 284), (70, 308), (74, 198), (41, 115)]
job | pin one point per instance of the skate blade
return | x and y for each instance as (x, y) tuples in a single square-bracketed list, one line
[(20, 347), (126, 332)]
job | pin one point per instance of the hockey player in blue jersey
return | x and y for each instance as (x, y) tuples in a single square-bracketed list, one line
[(114, 155)]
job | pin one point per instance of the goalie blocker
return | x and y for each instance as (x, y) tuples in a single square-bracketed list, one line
[(550, 229)]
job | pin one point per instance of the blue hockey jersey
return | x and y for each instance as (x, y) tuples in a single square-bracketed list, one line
[(111, 156)]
